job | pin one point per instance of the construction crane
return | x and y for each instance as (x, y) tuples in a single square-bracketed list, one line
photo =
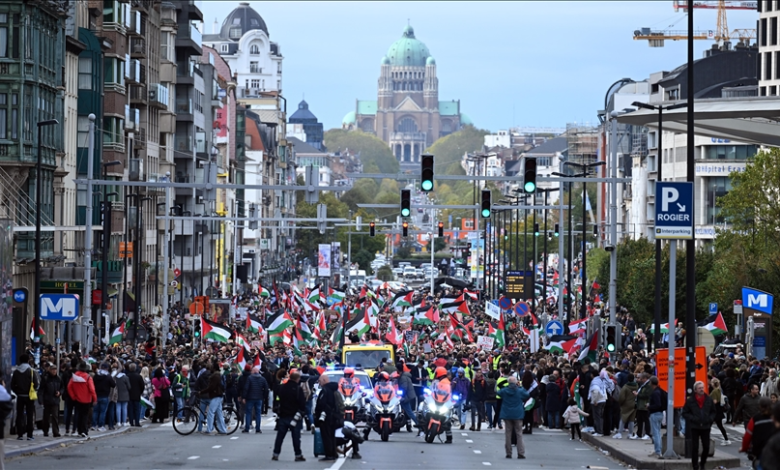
[(721, 34)]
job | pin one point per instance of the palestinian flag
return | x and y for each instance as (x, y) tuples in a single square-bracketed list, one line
[(320, 328), (453, 307), (590, 349), (577, 327), (297, 340), (372, 309), (335, 337), (314, 295), (302, 328), (664, 327), (561, 344), (337, 296), (403, 299), (716, 325), (498, 333), (214, 331), (426, 316), (241, 341), (263, 291), (118, 334), (253, 324), (36, 332), (472, 295), (284, 337), (360, 325), (460, 329), (448, 299), (278, 322), (240, 359), (393, 335)]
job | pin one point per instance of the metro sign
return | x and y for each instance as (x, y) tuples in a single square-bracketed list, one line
[(757, 300), (59, 307), (674, 213)]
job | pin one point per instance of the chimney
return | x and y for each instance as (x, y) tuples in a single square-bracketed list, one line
[(214, 27)]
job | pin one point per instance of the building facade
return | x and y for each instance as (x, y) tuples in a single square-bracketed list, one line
[(768, 48), (312, 128), (407, 113)]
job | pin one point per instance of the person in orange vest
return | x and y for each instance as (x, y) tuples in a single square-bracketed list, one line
[(349, 384), (442, 390)]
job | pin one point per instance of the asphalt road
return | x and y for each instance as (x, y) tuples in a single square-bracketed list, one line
[(160, 447)]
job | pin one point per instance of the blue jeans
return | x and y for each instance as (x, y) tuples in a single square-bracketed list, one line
[(257, 406), (407, 407), (133, 413), (461, 413), (204, 406), (141, 410), (655, 431), (121, 412), (179, 405), (111, 414), (489, 406), (215, 414), (554, 419), (283, 427), (99, 413)]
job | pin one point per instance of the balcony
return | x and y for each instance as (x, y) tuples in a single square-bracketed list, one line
[(134, 71), (190, 263), (167, 123), (158, 95), (183, 144), (195, 11), (190, 39), (138, 48), (140, 137), (138, 94), (168, 72), (200, 142), (137, 24), (186, 72), (168, 16)]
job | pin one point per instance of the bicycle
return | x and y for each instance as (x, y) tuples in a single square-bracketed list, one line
[(186, 420)]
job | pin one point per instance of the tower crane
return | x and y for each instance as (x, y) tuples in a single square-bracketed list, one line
[(721, 34)]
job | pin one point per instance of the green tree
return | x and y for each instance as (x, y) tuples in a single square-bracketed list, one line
[(374, 153), (385, 273), (449, 150), (439, 244)]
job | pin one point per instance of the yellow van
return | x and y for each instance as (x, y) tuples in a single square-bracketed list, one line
[(367, 356)]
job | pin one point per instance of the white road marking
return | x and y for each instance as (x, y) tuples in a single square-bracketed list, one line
[(194, 457), (487, 463), (477, 451), (339, 462), (469, 441), (215, 447), (225, 460), (464, 434)]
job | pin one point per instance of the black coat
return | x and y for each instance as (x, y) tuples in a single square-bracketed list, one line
[(255, 388), (326, 403), (137, 385), (291, 399), (103, 384), (50, 385), (478, 390), (699, 418)]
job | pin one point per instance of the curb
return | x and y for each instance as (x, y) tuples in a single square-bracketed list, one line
[(646, 463), (67, 442)]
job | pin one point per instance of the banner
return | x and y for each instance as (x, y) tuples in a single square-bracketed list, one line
[(335, 255), (492, 310), (485, 342), (323, 262)]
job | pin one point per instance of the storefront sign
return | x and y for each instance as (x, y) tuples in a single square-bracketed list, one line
[(719, 169)]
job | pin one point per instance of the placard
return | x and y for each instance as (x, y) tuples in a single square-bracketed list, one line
[(492, 310), (485, 342), (662, 369)]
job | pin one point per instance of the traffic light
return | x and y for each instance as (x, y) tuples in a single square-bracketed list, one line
[(426, 162), (405, 229), (529, 175), (441, 229), (406, 203), (372, 229), (595, 230), (486, 203), (536, 230), (611, 338), (557, 232)]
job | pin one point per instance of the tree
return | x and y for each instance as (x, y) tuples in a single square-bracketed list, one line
[(439, 244), (374, 153), (364, 259), (449, 150), (385, 273)]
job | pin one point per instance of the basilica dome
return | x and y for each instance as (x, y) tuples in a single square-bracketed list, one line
[(408, 51)]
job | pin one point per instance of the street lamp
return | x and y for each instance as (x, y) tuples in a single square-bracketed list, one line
[(137, 252), (659, 177), (38, 202), (546, 192), (104, 257)]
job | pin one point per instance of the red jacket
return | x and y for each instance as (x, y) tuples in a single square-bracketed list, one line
[(81, 388)]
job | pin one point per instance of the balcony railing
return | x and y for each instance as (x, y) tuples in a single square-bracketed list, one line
[(138, 47), (190, 32), (183, 106), (183, 143), (158, 94)]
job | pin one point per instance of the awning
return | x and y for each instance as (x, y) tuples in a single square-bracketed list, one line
[(749, 120)]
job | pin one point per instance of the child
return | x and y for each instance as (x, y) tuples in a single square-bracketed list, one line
[(572, 416)]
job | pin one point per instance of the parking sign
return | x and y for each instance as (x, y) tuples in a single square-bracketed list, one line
[(674, 210)]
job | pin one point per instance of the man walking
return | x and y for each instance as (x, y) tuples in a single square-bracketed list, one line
[(699, 414), (254, 390), (748, 405), (513, 400), (406, 387), (292, 407), (23, 381), (51, 387), (136, 391), (81, 389), (477, 396)]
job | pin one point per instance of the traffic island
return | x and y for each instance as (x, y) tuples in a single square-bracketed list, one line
[(635, 454)]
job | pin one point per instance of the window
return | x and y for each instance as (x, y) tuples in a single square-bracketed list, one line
[(14, 116), (113, 71), (3, 35), (3, 116), (113, 134), (730, 152), (85, 73), (773, 32), (254, 49), (82, 129), (762, 31), (254, 67), (224, 47), (768, 66), (165, 45), (255, 83), (235, 32), (406, 125), (717, 187)]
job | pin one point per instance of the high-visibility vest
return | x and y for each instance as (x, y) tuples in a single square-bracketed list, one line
[(469, 372), (431, 373), (501, 383), (496, 361)]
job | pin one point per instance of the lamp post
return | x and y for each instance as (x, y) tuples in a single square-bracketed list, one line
[(39, 203), (138, 252), (106, 245), (546, 192), (181, 259), (659, 177)]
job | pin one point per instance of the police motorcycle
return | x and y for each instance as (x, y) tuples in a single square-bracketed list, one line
[(435, 415), (385, 415), (354, 397)]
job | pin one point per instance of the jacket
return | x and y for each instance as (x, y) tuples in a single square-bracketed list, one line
[(490, 393), (122, 387), (103, 383), (50, 385), (81, 388), (513, 400), (478, 390), (461, 386), (160, 385), (202, 383), (65, 376), (554, 401), (326, 403), (214, 388), (291, 399), (406, 387), (627, 402), (21, 379), (572, 414), (748, 406), (181, 386), (657, 402), (757, 433), (643, 396), (698, 418), (255, 388), (242, 382), (136, 386)]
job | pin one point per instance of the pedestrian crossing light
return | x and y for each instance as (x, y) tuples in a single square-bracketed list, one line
[(536, 230), (557, 232), (486, 203), (372, 229), (406, 203), (441, 229), (426, 162), (611, 338), (405, 229), (529, 175)]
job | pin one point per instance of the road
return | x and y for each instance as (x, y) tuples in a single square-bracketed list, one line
[(159, 447)]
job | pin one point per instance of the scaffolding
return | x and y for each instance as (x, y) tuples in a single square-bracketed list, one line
[(583, 143)]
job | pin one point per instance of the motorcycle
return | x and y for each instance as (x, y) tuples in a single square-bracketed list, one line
[(354, 411), (435, 413), (385, 415)]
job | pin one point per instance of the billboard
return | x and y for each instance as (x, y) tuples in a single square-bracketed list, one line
[(323, 260)]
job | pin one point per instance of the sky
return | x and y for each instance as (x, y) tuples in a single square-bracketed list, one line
[(531, 64)]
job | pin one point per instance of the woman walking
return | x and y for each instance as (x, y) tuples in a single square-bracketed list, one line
[(721, 402), (162, 396)]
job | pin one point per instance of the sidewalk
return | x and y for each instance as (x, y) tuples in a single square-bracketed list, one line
[(635, 454), (15, 448)]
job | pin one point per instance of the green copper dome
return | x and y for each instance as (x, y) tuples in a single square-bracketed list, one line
[(385, 61), (408, 51), (350, 118), (465, 120), (430, 61)]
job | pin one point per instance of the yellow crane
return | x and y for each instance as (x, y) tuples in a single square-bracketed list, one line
[(656, 38)]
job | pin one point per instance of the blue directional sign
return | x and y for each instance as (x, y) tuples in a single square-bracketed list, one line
[(757, 300), (713, 308), (674, 210), (59, 307), (553, 328), (20, 295)]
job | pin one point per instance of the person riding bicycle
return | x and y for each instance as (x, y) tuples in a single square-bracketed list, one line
[(349, 384), (442, 390)]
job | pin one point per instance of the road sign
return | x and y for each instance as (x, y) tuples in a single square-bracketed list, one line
[(176, 272), (713, 308), (757, 300), (20, 295), (505, 303), (553, 328), (59, 307), (674, 213), (662, 367), (521, 308), (174, 283)]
